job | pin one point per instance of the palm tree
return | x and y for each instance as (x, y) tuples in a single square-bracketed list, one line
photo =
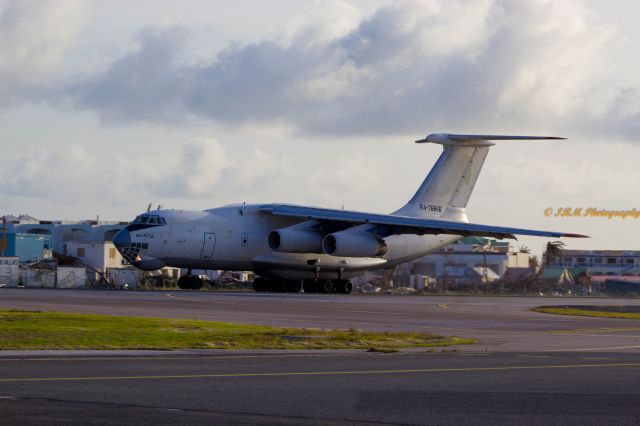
[(524, 249), (554, 251)]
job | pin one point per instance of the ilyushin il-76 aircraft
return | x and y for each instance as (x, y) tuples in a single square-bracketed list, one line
[(292, 247)]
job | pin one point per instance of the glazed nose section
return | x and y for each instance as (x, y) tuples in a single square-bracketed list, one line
[(122, 240)]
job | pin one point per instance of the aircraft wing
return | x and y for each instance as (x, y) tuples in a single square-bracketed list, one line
[(405, 224)]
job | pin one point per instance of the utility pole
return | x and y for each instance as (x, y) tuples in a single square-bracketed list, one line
[(485, 265), (3, 243), (485, 269)]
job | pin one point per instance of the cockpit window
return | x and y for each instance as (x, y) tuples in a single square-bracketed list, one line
[(149, 220)]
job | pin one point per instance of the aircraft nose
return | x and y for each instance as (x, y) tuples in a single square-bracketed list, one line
[(122, 240)]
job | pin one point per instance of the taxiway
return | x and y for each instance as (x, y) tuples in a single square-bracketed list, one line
[(499, 323)]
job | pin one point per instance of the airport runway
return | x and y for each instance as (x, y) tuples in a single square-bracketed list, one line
[(528, 368), (500, 323), (330, 388)]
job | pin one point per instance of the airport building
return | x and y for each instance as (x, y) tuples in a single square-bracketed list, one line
[(600, 262), (9, 271), (62, 232), (468, 263), (104, 261), (96, 255), (26, 247), (87, 243), (51, 275)]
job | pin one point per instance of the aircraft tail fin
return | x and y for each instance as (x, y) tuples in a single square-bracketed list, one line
[(446, 190)]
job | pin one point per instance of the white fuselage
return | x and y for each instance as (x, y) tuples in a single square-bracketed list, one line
[(288, 243), (236, 238)]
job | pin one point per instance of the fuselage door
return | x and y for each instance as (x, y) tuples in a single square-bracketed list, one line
[(208, 245)]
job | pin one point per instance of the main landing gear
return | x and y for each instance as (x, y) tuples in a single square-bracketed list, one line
[(327, 286), (190, 282), (309, 286), (284, 286)]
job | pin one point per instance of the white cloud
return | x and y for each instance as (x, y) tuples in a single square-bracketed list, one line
[(47, 171), (565, 182), (348, 179), (324, 22), (35, 35), (199, 169), (204, 168)]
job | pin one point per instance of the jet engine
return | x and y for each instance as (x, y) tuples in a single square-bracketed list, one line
[(295, 241), (353, 245)]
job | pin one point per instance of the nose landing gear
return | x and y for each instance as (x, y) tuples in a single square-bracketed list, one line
[(190, 282)]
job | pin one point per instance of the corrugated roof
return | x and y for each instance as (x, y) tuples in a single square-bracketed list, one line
[(473, 240), (603, 278), (553, 272), (492, 276), (612, 253), (577, 271)]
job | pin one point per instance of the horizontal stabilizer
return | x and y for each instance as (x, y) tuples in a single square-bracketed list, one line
[(450, 138)]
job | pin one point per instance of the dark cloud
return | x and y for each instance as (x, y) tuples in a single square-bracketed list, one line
[(148, 84), (408, 67)]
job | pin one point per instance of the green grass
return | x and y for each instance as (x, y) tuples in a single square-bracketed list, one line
[(58, 330), (586, 312)]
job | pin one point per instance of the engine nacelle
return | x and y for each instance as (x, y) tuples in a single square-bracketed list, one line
[(295, 241), (353, 245)]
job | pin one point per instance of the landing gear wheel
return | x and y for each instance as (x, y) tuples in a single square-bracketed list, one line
[(275, 286), (348, 287), (260, 284), (196, 283), (325, 286), (190, 282), (344, 286), (293, 286), (183, 282), (309, 286)]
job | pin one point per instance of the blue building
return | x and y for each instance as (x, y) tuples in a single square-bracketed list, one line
[(28, 247), (600, 262)]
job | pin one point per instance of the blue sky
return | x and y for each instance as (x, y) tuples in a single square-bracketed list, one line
[(107, 106)]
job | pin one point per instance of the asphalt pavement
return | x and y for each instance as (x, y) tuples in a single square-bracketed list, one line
[(437, 388), (527, 369)]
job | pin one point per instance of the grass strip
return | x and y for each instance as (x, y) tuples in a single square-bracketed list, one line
[(586, 312), (59, 330)]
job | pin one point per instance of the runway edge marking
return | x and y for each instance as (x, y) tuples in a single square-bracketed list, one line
[(319, 373)]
